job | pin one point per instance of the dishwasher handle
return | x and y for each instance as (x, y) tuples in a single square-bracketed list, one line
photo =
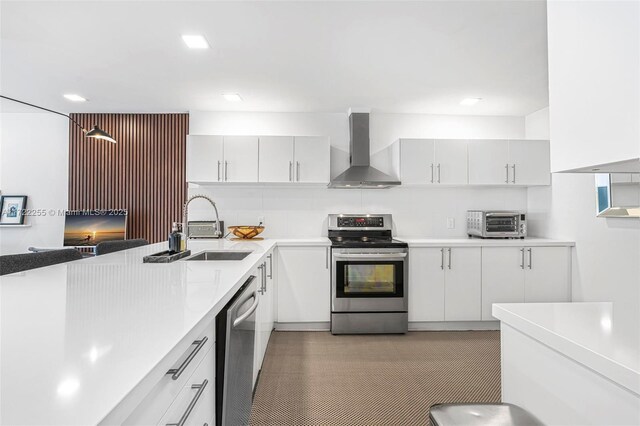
[(249, 312)]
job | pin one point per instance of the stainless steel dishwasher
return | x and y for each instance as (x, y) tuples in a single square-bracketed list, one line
[(235, 332)]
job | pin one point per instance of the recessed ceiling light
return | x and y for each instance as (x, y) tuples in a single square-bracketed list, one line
[(74, 97), (470, 101), (232, 97), (195, 41)]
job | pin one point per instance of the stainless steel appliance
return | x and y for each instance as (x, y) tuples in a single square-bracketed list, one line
[(360, 173), (369, 275), (204, 229), (235, 332), (496, 224)]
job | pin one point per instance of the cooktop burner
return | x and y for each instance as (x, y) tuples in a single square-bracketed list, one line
[(362, 231)]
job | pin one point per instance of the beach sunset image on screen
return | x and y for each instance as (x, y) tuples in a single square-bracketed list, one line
[(91, 228)]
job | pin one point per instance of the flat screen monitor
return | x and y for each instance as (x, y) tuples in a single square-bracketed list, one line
[(90, 227)]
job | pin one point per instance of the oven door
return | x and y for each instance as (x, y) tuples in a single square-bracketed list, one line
[(369, 280)]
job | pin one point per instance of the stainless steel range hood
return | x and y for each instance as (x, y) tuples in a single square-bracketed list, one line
[(360, 174)]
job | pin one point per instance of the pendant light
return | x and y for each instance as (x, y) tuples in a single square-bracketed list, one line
[(95, 133)]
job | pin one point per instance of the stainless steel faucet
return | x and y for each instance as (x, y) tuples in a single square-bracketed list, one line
[(217, 233)]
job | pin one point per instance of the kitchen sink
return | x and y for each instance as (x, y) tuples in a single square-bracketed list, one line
[(219, 255)]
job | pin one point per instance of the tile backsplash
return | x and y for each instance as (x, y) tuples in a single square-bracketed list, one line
[(292, 212)]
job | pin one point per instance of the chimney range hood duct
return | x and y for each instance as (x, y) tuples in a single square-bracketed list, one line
[(360, 174)]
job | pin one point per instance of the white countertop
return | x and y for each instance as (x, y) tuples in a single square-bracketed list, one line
[(76, 338), (585, 332), (480, 242)]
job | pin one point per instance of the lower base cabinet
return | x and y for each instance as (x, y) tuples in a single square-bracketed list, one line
[(196, 403), (444, 284), (190, 381), (304, 287), (525, 274), (461, 283), (265, 313)]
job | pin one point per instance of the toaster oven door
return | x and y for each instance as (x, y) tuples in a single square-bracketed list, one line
[(502, 225)]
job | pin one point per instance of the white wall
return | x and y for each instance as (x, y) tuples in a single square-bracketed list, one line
[(34, 162), (302, 211), (606, 263), (594, 81)]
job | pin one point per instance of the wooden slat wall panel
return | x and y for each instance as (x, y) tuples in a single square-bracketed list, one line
[(143, 173)]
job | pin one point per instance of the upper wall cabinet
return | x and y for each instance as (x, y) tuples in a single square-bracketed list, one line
[(254, 159), (476, 162), (433, 161), (222, 158), (294, 159), (312, 159), (240, 158), (594, 81), (204, 158), (509, 162)]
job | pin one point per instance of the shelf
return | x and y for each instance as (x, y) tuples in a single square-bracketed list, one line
[(6, 225)]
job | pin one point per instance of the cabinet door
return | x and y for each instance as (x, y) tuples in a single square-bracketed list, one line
[(241, 158), (259, 323), (417, 165), (502, 277), (312, 159), (488, 161), (204, 158), (548, 274), (276, 159), (426, 284), (266, 323), (462, 286), (451, 162), (529, 162), (303, 284)]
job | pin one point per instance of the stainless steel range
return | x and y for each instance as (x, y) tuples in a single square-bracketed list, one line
[(369, 275)]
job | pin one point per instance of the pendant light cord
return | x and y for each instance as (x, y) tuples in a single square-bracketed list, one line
[(45, 109)]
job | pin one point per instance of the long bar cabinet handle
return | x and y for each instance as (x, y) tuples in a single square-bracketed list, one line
[(176, 372), (192, 404)]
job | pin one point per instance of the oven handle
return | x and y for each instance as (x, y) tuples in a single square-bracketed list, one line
[(370, 256)]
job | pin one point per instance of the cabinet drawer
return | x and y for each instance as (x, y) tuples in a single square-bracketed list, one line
[(167, 389), (195, 404)]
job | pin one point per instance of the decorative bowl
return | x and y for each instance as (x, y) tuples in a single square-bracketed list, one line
[(246, 232)]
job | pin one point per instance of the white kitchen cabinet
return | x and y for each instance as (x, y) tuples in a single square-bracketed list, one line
[(168, 396), (451, 161), (311, 159), (265, 313), (529, 162), (525, 274), (426, 284), (509, 162), (304, 288), (502, 277), (222, 159), (462, 284), (444, 284), (240, 158), (547, 274), (417, 161), (276, 159), (428, 161), (204, 158), (489, 162), (196, 402)]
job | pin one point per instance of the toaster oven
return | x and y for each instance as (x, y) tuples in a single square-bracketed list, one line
[(496, 224)]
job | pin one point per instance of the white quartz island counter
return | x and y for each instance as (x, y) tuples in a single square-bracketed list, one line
[(77, 338), (570, 363)]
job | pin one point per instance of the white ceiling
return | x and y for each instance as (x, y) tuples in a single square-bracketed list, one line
[(405, 57)]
